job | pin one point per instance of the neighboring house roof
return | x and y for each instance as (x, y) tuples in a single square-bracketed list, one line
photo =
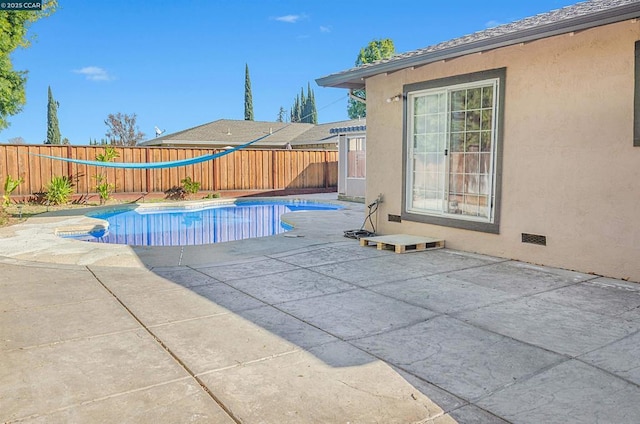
[(231, 132), (323, 132), (577, 17)]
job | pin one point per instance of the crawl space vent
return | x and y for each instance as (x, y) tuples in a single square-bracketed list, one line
[(395, 218), (534, 239)]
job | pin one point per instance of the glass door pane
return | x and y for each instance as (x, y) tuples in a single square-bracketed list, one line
[(471, 138), (428, 143)]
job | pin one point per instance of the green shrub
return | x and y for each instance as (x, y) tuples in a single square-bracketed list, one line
[(104, 188), (9, 187), (109, 154), (189, 186), (59, 191), (215, 195)]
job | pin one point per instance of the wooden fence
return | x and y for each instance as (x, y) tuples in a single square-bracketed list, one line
[(241, 170)]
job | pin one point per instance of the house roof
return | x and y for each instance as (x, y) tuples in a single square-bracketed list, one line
[(235, 132), (324, 132), (577, 17)]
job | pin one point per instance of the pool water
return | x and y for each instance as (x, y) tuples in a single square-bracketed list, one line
[(188, 227)]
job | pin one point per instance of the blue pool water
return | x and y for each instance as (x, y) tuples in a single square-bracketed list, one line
[(188, 227)]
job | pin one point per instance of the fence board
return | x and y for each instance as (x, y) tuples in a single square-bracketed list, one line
[(242, 170)]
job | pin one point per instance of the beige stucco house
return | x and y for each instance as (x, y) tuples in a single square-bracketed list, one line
[(520, 141)]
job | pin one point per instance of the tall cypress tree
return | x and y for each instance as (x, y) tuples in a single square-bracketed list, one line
[(248, 98), (53, 130), (303, 106), (314, 111), (295, 110)]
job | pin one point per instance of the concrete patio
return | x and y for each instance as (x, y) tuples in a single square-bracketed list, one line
[(307, 327)]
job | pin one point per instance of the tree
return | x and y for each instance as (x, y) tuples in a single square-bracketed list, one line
[(248, 98), (295, 110), (16, 140), (304, 107), (53, 130), (312, 112), (123, 130), (375, 50), (282, 115), (13, 34)]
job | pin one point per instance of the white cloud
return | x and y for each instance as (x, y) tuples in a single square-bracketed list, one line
[(325, 28), (492, 24), (290, 19), (94, 73)]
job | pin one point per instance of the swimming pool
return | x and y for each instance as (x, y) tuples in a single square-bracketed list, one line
[(188, 225)]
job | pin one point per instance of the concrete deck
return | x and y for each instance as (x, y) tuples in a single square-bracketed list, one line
[(306, 329)]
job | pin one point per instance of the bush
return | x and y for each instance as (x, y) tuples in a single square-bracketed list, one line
[(9, 187), (59, 191), (189, 186), (104, 188)]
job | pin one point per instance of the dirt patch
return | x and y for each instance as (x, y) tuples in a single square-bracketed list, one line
[(20, 212)]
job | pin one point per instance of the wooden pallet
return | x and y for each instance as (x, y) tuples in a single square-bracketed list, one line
[(402, 243)]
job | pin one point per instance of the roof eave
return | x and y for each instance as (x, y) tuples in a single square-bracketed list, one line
[(356, 79)]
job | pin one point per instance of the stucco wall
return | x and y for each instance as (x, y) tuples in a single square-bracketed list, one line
[(570, 171)]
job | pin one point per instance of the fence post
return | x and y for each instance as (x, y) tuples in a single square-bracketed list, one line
[(326, 169), (274, 172), (214, 176), (69, 164), (147, 172)]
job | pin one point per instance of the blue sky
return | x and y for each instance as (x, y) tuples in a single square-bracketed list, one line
[(179, 64)]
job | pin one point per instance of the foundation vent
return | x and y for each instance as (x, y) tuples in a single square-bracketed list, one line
[(395, 218), (534, 239)]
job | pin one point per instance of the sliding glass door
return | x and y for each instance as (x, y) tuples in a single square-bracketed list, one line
[(451, 151)]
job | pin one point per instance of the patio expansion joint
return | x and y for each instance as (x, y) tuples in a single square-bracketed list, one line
[(577, 358), (254, 361), (431, 274), (171, 353), (275, 305), (52, 305), (566, 357), (179, 321), (298, 268), (71, 339), (465, 401), (521, 379), (181, 256), (99, 399), (306, 249)]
